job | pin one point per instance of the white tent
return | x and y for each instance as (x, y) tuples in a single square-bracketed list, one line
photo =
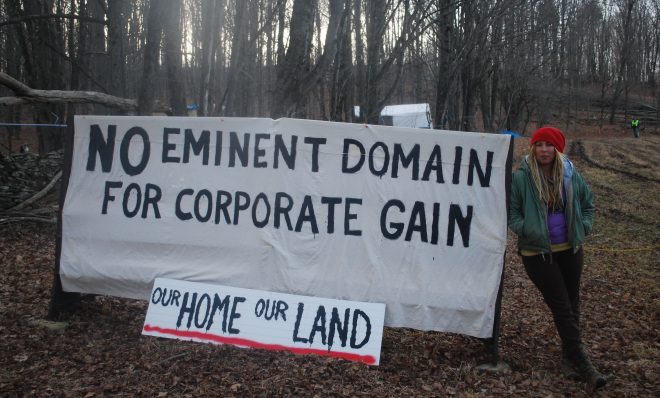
[(407, 115)]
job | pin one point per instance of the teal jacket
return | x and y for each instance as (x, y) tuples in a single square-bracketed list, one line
[(528, 216)]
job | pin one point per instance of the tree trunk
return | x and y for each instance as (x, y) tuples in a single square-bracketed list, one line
[(116, 53), (236, 79), (210, 15), (45, 54), (342, 78), (360, 64), (98, 57), (281, 20), (173, 58), (375, 17), (296, 61), (445, 26), (146, 95), (623, 58)]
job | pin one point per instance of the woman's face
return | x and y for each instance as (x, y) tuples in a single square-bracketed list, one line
[(544, 152)]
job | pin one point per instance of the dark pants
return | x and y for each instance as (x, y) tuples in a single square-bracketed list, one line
[(557, 277)]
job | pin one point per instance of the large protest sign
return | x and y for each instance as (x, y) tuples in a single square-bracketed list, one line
[(272, 321), (415, 219)]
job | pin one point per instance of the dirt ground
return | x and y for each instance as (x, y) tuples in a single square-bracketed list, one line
[(101, 353)]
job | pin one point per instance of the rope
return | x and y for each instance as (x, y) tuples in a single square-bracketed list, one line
[(636, 249), (31, 125)]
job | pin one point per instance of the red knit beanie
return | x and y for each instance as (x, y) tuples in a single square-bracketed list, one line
[(551, 135)]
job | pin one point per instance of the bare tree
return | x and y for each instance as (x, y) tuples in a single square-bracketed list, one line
[(296, 62), (444, 31), (514, 63), (384, 68), (626, 7), (116, 51), (173, 58), (237, 81), (212, 14), (146, 95), (341, 85)]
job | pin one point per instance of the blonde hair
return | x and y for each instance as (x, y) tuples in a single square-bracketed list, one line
[(548, 193)]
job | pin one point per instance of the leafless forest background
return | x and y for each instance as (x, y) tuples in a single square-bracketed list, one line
[(483, 65)]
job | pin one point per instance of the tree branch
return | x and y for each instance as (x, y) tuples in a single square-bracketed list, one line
[(25, 95), (52, 220), (39, 194)]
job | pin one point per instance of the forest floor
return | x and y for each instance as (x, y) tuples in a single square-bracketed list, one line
[(101, 352)]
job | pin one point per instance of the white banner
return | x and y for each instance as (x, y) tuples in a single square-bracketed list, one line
[(412, 218), (273, 321)]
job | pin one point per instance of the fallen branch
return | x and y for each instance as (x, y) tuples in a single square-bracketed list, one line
[(52, 220), (44, 210), (177, 356), (25, 94), (36, 213), (39, 194)]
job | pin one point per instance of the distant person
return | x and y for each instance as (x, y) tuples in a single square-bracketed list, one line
[(551, 212), (635, 127)]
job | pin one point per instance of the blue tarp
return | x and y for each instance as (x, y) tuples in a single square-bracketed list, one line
[(513, 133)]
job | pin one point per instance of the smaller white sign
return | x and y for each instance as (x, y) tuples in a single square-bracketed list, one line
[(208, 313)]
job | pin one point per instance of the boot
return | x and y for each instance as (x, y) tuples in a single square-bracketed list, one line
[(577, 358), (567, 366)]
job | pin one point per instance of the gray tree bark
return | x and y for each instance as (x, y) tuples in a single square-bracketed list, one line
[(297, 62), (146, 94), (173, 58)]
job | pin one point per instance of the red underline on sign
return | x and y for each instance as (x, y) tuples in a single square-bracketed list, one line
[(368, 359)]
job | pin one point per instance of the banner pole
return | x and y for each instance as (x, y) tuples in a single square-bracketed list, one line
[(494, 342), (494, 349), (62, 302), (495, 355)]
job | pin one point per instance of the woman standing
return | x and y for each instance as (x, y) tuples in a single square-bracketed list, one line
[(551, 212)]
